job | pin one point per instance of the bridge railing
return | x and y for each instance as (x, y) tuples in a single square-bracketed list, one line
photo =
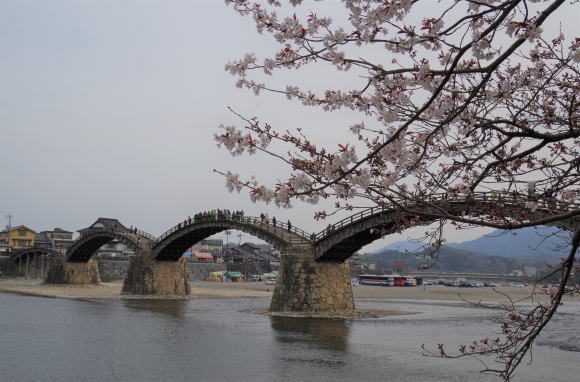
[(501, 197), (121, 231), (145, 234), (288, 233)]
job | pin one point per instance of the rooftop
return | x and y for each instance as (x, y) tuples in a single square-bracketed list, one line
[(18, 228), (106, 222)]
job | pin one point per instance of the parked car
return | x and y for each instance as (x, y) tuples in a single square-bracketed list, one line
[(516, 285), (490, 284)]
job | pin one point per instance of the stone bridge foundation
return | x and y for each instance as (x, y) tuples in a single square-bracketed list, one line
[(147, 276), (75, 273), (304, 285)]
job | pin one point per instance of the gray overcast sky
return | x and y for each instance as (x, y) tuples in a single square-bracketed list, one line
[(108, 108)]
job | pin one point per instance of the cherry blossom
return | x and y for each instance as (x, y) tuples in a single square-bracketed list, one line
[(474, 97)]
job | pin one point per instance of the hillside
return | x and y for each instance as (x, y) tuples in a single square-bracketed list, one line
[(541, 241), (537, 242), (452, 260)]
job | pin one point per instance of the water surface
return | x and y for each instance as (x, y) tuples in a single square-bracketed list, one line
[(44, 339)]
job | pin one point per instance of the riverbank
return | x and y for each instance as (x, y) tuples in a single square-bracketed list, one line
[(215, 290)]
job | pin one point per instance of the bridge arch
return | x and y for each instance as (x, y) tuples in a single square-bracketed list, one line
[(341, 240), (21, 254), (85, 246), (172, 244)]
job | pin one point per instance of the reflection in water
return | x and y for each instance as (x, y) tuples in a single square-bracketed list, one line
[(317, 334), (175, 308), (311, 345)]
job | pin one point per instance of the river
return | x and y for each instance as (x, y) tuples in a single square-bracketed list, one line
[(43, 339)]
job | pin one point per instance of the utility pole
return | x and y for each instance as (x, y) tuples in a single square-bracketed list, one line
[(227, 238), (9, 217)]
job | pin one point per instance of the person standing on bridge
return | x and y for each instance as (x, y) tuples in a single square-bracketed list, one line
[(262, 217), (289, 225), (274, 221)]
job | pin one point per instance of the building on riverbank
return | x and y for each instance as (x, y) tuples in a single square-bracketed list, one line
[(18, 237), (248, 253), (57, 238), (208, 246)]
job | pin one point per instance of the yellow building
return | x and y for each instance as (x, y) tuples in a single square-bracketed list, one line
[(18, 237)]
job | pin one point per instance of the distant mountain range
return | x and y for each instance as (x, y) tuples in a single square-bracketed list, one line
[(498, 252), (542, 242), (452, 260)]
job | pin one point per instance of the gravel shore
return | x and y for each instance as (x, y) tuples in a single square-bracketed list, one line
[(206, 289)]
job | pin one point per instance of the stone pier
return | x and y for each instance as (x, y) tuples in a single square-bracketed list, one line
[(77, 273), (304, 285), (147, 276)]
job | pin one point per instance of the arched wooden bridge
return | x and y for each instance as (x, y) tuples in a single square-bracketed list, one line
[(344, 238), (24, 253), (171, 245), (338, 241), (85, 246), (313, 274)]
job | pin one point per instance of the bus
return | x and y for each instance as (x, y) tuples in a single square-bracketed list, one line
[(377, 280), (400, 280), (405, 281)]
